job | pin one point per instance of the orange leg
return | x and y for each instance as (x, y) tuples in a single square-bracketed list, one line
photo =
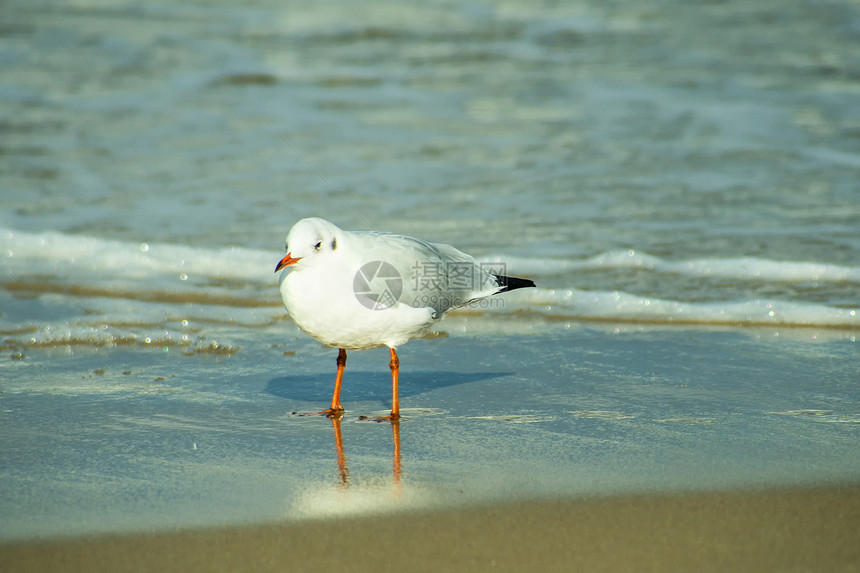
[(336, 408), (395, 393)]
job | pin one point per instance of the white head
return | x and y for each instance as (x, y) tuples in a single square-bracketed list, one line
[(310, 239)]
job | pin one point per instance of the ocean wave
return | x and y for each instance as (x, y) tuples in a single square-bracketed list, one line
[(572, 304), (740, 269), (67, 289), (62, 254)]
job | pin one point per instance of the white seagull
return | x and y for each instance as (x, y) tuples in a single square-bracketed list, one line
[(354, 290)]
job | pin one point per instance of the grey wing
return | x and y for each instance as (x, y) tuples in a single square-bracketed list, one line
[(436, 275), (442, 277)]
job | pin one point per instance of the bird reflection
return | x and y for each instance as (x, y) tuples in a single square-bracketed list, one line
[(343, 469)]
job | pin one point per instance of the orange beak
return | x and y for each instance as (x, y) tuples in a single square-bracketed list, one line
[(287, 261)]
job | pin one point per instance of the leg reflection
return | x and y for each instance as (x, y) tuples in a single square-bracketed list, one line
[(341, 456), (395, 431), (343, 470)]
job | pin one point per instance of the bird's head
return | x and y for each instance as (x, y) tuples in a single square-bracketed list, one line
[(308, 240)]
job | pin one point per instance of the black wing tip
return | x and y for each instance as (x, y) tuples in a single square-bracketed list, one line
[(513, 283)]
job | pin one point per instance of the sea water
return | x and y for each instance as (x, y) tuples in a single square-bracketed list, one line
[(680, 180)]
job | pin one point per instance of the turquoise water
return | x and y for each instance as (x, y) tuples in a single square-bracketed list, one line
[(681, 181)]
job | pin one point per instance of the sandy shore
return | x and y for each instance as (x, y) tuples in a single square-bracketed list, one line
[(784, 530)]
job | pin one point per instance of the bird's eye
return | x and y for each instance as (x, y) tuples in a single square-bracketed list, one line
[(317, 246)]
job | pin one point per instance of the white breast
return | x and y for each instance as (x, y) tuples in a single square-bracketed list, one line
[(324, 303)]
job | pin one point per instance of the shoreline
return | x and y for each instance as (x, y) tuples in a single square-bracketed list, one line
[(780, 529)]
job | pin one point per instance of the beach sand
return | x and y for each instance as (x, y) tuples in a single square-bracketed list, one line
[(678, 178), (814, 529)]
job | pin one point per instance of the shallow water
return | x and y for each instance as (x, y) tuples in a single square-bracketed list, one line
[(127, 440), (680, 180)]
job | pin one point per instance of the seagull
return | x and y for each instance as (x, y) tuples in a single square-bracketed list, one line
[(355, 290)]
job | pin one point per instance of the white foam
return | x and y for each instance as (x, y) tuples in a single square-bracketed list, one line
[(741, 268), (109, 292), (66, 254), (618, 305)]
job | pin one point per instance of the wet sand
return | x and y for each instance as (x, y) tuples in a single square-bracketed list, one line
[(776, 530)]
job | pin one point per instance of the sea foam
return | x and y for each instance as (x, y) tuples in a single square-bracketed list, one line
[(67, 289)]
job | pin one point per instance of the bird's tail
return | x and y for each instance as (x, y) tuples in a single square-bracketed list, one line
[(513, 283)]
